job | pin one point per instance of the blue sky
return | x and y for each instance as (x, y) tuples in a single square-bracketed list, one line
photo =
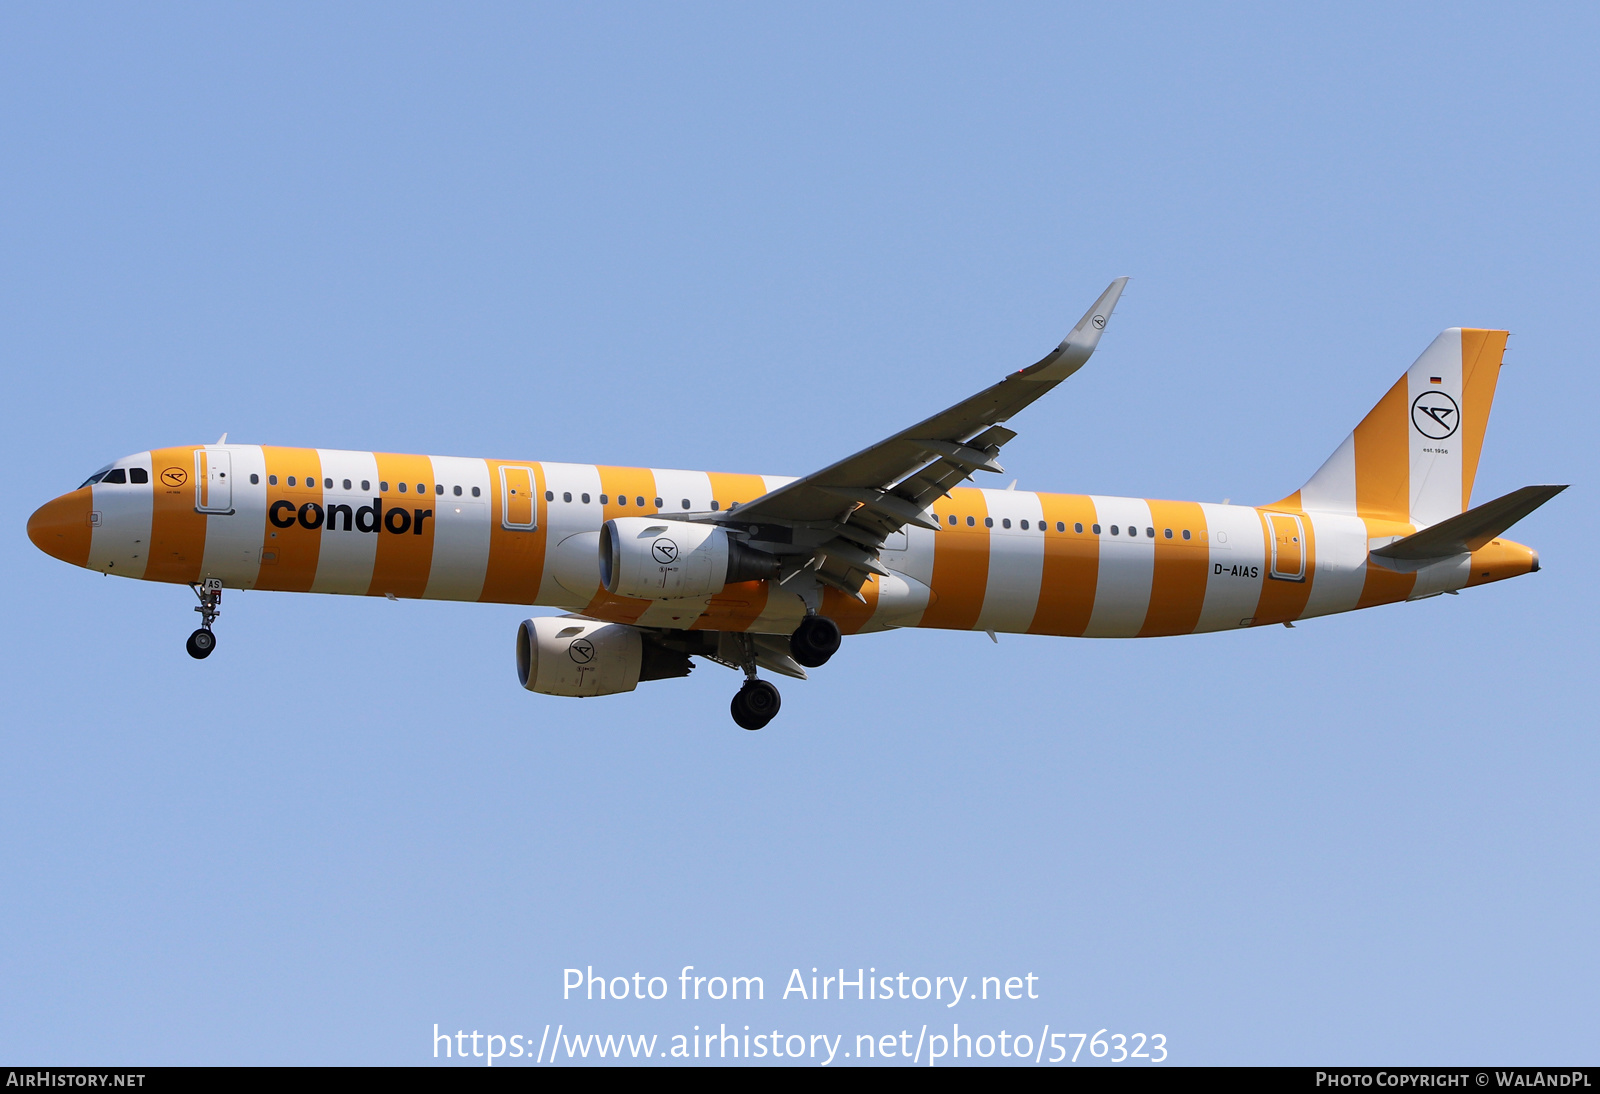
[(757, 239)]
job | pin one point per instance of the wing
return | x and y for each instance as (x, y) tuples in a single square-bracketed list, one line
[(839, 517)]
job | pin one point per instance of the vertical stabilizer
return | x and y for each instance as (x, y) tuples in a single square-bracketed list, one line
[(1414, 456)]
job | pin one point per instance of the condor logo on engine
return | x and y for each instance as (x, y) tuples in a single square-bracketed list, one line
[(366, 518), (664, 551)]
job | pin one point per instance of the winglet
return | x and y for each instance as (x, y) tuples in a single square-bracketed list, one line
[(1076, 348)]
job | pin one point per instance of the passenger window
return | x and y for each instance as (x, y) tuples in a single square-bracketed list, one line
[(438, 488), (255, 480), (604, 499), (971, 522), (1167, 532), (658, 503), (474, 491), (141, 476), (1005, 522), (1095, 528), (1150, 533), (402, 487), (421, 489), (988, 522), (291, 480), (117, 475), (456, 490), (586, 499), (1025, 526), (366, 484), (549, 495), (640, 502), (686, 503), (1113, 529), (622, 499), (715, 505), (1186, 533), (952, 518), (566, 495), (1076, 528), (347, 484), (383, 486), (272, 480)]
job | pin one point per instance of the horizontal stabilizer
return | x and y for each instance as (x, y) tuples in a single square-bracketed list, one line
[(1470, 530)]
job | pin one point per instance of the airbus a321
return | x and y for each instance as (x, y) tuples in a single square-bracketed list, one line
[(756, 572)]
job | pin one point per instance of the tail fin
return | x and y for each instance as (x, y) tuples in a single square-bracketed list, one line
[(1414, 456)]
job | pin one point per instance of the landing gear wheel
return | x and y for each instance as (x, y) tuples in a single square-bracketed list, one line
[(201, 643), (756, 704), (814, 641)]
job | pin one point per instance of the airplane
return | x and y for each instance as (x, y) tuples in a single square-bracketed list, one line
[(754, 572)]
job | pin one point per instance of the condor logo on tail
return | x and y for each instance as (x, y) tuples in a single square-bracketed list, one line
[(366, 518)]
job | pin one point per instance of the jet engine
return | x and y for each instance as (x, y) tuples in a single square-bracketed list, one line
[(565, 655), (653, 559)]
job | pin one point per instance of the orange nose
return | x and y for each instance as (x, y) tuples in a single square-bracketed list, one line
[(61, 527)]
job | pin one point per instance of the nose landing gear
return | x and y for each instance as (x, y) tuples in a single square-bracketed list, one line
[(202, 641)]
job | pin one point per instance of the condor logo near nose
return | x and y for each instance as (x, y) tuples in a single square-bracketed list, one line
[(367, 518)]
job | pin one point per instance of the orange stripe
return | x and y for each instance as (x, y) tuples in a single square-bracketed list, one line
[(1383, 458), (177, 532), (960, 562), (736, 607), (1385, 586), (1283, 601), (616, 609), (1178, 586), (405, 546), (1071, 567), (630, 482), (289, 555), (1481, 352), (847, 611), (735, 489), (516, 558)]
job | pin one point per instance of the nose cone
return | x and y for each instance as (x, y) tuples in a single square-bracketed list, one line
[(61, 527)]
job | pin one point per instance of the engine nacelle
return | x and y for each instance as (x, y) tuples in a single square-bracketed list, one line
[(653, 559), (560, 655)]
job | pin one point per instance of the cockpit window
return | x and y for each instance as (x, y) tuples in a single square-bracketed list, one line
[(138, 475), (117, 475), (94, 478)]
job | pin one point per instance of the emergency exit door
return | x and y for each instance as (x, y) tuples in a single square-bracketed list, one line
[(1288, 547), (517, 511), (213, 482)]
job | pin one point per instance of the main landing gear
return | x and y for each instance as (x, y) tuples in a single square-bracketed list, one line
[(757, 702), (202, 641), (814, 641)]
